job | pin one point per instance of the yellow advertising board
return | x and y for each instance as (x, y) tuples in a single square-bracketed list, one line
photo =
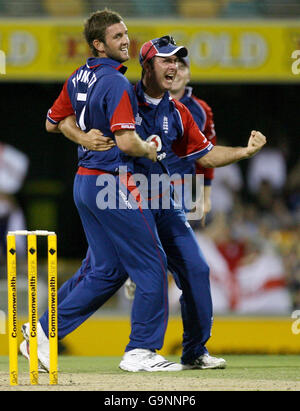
[(109, 335), (220, 51)]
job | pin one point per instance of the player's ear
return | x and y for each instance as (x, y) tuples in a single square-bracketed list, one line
[(188, 74), (148, 66), (99, 46), (188, 79)]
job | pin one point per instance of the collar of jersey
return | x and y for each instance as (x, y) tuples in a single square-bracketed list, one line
[(93, 62), (187, 93), (139, 90)]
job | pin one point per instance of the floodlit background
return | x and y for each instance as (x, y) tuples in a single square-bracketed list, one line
[(244, 64)]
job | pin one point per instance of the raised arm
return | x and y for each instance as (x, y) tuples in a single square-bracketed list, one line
[(220, 156), (194, 145)]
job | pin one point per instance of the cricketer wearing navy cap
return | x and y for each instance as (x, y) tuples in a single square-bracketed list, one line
[(161, 47)]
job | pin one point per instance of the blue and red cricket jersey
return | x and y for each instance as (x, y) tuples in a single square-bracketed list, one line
[(203, 116), (101, 97)]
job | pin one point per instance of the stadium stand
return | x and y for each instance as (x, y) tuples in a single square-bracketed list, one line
[(64, 8), (279, 8), (17, 8), (241, 9), (201, 9), (123, 7), (164, 8), (156, 8)]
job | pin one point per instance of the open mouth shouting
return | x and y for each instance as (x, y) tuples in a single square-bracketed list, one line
[(170, 77)]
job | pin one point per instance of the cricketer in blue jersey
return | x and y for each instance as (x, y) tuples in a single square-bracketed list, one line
[(102, 97), (171, 232), (203, 116)]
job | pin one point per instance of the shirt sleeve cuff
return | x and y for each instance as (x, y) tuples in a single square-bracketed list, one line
[(207, 181)]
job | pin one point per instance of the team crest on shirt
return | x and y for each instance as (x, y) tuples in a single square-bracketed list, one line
[(138, 119), (155, 139)]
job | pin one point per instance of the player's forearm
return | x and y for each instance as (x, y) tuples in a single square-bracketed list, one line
[(131, 144), (221, 156), (51, 128), (70, 130), (207, 193)]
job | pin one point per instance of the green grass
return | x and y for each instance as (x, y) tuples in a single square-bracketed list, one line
[(247, 367)]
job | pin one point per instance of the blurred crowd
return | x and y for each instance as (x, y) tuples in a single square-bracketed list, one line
[(14, 166), (155, 8), (252, 239)]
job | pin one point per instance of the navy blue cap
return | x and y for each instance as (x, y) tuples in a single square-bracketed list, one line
[(162, 47)]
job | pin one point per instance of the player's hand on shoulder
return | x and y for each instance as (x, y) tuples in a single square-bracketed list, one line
[(95, 140), (255, 143)]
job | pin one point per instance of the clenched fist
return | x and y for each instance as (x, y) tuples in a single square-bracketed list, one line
[(255, 143), (151, 151)]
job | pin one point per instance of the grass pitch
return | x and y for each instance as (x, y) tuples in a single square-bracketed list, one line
[(243, 373)]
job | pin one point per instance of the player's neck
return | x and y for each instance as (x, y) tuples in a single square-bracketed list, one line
[(151, 90)]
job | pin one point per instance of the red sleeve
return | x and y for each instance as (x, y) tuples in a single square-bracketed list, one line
[(62, 106), (193, 143), (210, 134), (209, 126), (123, 117)]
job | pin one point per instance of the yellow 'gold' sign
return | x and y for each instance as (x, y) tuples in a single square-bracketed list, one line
[(219, 51)]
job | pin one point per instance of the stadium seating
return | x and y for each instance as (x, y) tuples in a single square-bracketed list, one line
[(17, 8), (156, 8), (124, 7), (241, 9), (279, 8), (201, 9), (64, 8)]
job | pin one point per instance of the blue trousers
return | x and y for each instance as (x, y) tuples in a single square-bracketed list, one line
[(143, 245), (121, 240)]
